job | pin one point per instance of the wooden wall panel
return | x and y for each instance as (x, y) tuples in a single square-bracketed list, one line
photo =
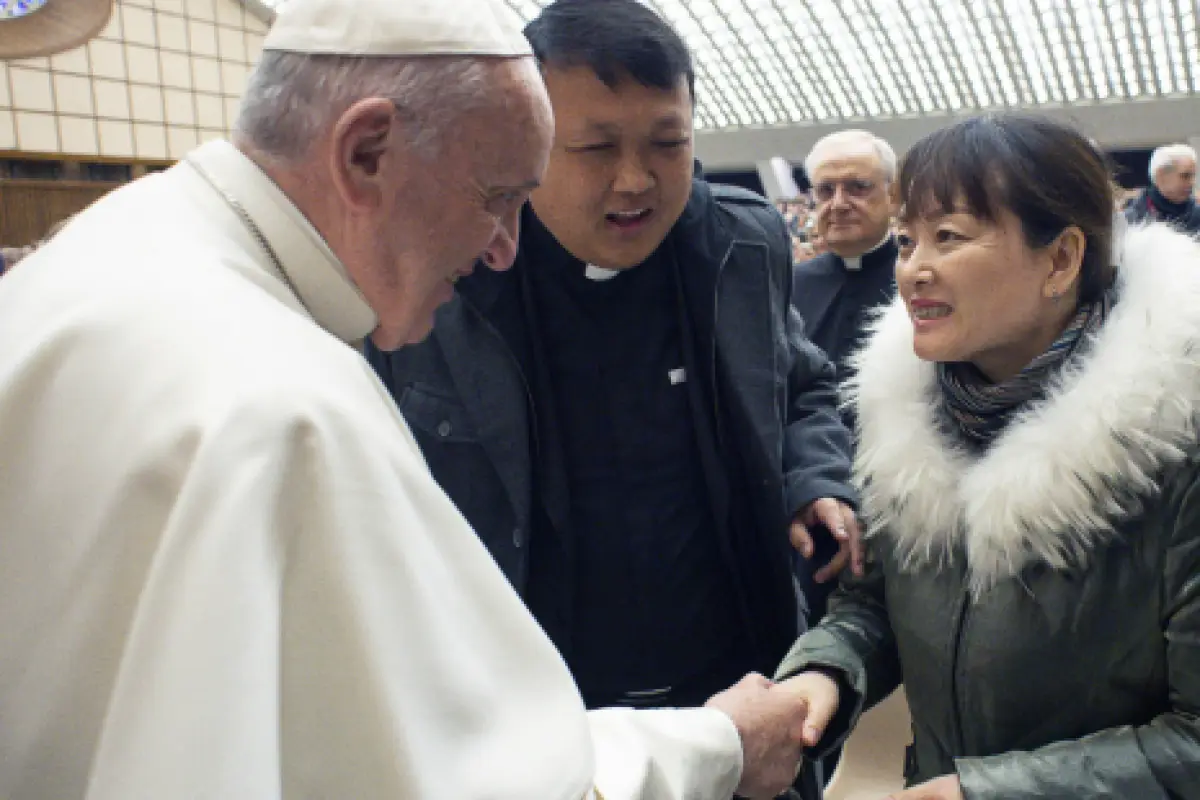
[(29, 208)]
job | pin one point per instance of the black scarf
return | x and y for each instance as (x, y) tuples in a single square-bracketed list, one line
[(977, 410), (1163, 208)]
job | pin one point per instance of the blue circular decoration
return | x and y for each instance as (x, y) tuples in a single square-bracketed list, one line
[(15, 9)]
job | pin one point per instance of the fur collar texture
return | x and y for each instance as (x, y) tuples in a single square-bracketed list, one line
[(1067, 470)]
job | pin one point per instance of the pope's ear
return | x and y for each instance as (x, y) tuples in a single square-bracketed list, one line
[(361, 139)]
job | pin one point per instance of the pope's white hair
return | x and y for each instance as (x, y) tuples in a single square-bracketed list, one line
[(851, 141), (291, 99), (1167, 156)]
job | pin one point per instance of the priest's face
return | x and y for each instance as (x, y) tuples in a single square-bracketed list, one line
[(620, 170), (853, 202), (441, 214)]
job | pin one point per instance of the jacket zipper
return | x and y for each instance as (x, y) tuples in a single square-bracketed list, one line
[(955, 685), (716, 398)]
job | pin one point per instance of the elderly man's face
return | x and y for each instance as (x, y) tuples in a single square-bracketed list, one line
[(458, 206), (853, 206), (1177, 182)]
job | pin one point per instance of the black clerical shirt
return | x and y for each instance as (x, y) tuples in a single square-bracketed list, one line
[(654, 620)]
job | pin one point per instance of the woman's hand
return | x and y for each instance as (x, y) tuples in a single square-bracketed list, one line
[(946, 787), (821, 698)]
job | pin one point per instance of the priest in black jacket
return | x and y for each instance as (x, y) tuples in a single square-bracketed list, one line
[(630, 417), (851, 173)]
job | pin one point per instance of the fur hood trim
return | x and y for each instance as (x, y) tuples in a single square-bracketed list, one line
[(1067, 470)]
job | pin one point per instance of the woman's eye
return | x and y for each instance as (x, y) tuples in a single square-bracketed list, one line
[(945, 235)]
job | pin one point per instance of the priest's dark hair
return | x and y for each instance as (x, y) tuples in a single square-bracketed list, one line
[(615, 39), (1047, 174)]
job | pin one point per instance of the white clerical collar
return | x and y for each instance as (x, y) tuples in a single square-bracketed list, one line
[(854, 263), (314, 273), (594, 273)]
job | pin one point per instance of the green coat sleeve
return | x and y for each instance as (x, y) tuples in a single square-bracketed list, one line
[(855, 644), (1156, 761)]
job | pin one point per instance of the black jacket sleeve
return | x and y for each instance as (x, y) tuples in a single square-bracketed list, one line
[(817, 445)]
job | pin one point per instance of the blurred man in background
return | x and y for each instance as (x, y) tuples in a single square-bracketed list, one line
[(1170, 195)]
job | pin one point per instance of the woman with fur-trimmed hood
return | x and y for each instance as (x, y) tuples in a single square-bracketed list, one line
[(1029, 456)]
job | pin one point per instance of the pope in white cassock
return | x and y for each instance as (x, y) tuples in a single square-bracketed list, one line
[(225, 571)]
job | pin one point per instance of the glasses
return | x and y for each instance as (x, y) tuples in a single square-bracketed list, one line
[(855, 188)]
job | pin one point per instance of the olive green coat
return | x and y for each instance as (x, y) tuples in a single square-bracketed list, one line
[(1041, 601)]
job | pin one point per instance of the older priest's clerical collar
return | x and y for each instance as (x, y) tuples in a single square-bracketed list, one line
[(304, 261), (854, 263)]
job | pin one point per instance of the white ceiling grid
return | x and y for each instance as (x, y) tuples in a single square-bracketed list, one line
[(767, 63)]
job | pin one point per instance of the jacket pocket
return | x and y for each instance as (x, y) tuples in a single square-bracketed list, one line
[(439, 416)]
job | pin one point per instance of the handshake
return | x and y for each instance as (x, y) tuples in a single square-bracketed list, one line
[(776, 721)]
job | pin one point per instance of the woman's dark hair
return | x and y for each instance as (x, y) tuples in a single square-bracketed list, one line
[(615, 39), (1046, 174)]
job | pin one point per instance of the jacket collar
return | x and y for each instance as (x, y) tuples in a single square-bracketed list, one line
[(1066, 472), (302, 259)]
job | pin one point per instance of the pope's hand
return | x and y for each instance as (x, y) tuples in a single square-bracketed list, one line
[(946, 787), (819, 696), (770, 723)]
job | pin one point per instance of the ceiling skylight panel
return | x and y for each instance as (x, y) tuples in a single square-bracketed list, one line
[(1001, 59), (864, 72), (894, 30), (1031, 54), (1164, 46), (882, 60), (1098, 27), (1118, 29), (783, 83), (983, 45), (1181, 11), (735, 89), (767, 58), (836, 35), (1149, 79), (1173, 26), (953, 21), (929, 65), (1050, 50), (811, 81), (752, 74), (942, 61), (1084, 83), (767, 62), (830, 67)]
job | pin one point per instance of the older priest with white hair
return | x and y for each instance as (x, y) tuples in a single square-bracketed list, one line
[(225, 571)]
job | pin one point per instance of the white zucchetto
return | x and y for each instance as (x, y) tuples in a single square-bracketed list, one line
[(398, 28)]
